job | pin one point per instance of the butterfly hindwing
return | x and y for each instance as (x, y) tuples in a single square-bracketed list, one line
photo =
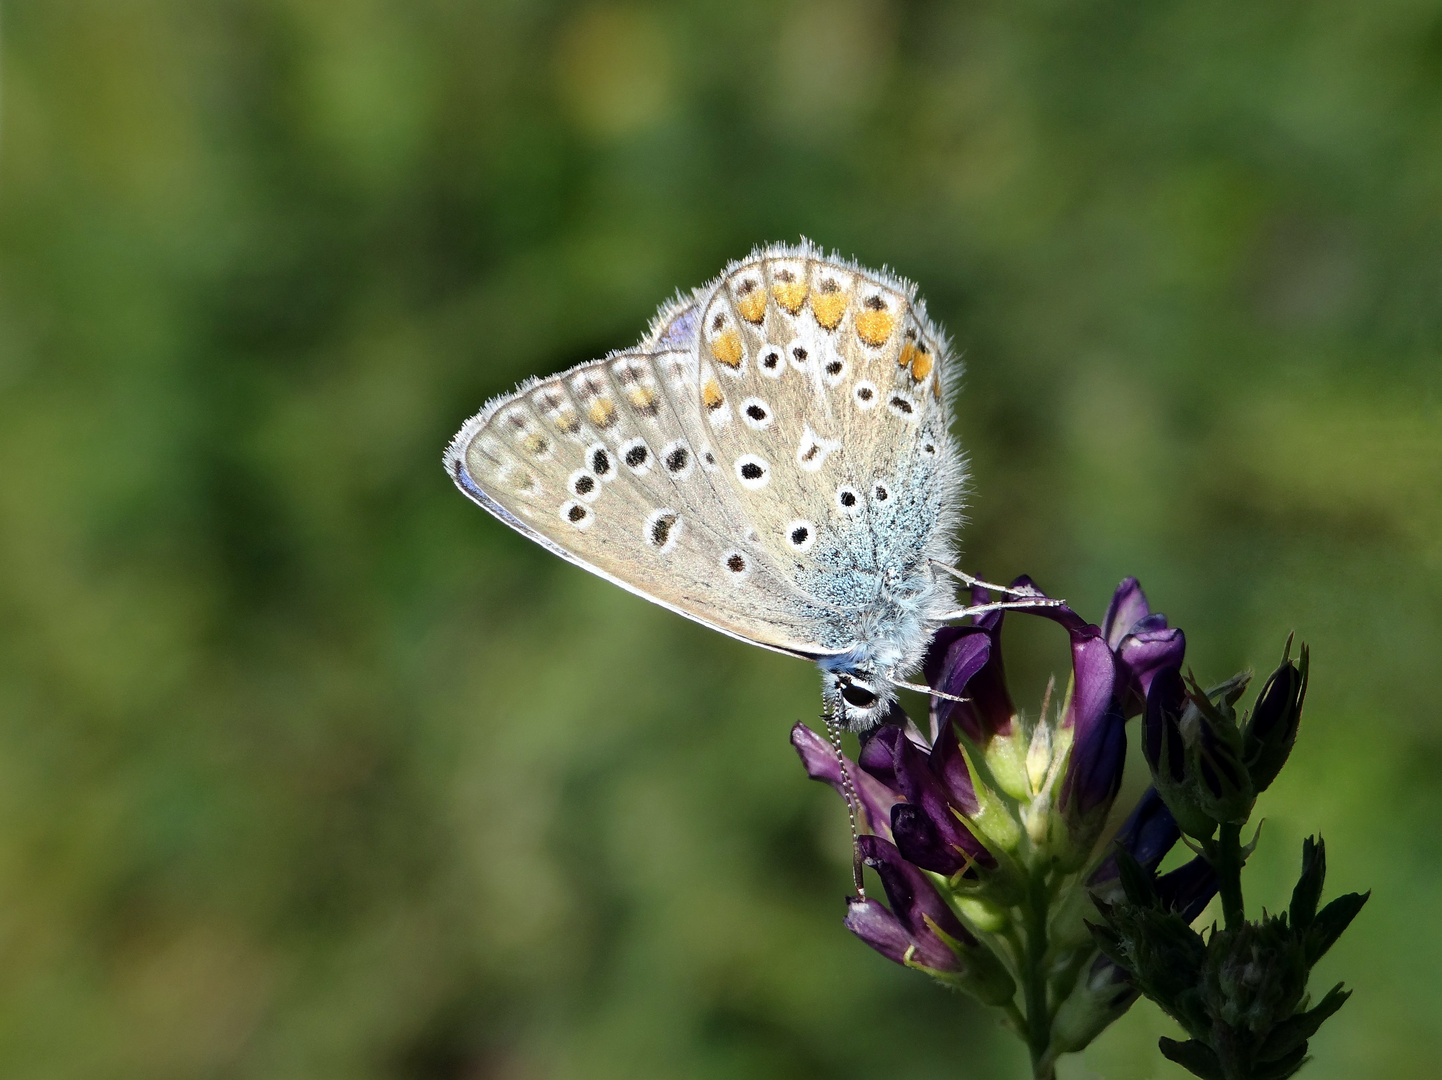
[(822, 390)]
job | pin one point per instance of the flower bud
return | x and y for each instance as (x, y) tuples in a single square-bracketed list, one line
[(1099, 740), (1191, 745), (1143, 642), (1101, 994), (930, 825), (1272, 730)]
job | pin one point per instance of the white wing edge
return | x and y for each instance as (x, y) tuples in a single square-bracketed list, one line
[(456, 467)]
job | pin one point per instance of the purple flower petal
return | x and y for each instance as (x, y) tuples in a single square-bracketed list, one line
[(1141, 655), (874, 924), (1128, 607), (948, 764), (1094, 675), (1165, 701), (1148, 833), (879, 752), (965, 661), (936, 839), (1098, 751), (916, 907), (819, 758), (918, 839)]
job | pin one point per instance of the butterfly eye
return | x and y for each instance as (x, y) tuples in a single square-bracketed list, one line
[(859, 696)]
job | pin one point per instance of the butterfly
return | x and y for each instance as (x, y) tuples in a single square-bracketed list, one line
[(774, 460)]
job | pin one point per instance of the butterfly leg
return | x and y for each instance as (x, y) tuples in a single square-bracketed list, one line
[(1004, 605)]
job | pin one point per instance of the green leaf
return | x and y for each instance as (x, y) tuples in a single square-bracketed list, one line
[(1309, 886), (1330, 922), (1283, 1067), (1137, 882), (1294, 1032), (1196, 1057)]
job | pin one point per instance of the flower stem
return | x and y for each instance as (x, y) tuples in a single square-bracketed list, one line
[(1228, 865), (1038, 1014)]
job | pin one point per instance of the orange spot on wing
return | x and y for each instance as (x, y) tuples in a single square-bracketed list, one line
[(790, 292), (921, 366), (727, 349), (874, 327), (602, 412), (751, 301), (711, 396), (643, 399), (828, 306), (908, 353)]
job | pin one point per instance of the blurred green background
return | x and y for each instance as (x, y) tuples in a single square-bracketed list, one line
[(309, 768)]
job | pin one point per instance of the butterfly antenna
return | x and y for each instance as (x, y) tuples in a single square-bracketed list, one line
[(848, 790), (928, 690), (976, 583)]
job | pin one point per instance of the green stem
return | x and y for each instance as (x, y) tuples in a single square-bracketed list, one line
[(1038, 1014), (1228, 865)]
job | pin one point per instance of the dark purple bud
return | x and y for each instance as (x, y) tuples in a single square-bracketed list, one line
[(932, 834), (1189, 888), (1270, 734), (917, 912), (948, 764), (1148, 833), (879, 751), (1128, 607), (1162, 743), (820, 760), (965, 661), (1143, 653), (1098, 753)]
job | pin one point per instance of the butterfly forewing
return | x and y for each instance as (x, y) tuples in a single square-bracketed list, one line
[(598, 464)]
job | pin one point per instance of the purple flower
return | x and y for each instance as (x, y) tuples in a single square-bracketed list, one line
[(965, 661), (1142, 641), (821, 762), (907, 792), (1148, 833), (935, 786), (1099, 744), (908, 931), (920, 929)]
